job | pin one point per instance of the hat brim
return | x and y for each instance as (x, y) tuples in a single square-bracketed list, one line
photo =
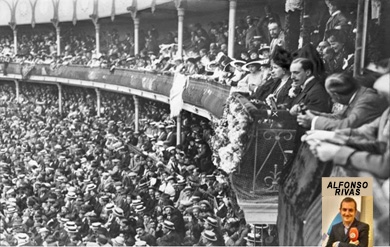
[(209, 238), (253, 63)]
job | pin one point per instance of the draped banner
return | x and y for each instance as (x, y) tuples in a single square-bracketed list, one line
[(26, 69), (176, 93)]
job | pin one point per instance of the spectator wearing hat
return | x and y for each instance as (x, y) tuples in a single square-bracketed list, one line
[(112, 224), (237, 72), (143, 235), (179, 186), (211, 224), (167, 185), (203, 158), (236, 232), (161, 134), (209, 238), (170, 237), (41, 237), (74, 237), (254, 78), (184, 196), (23, 239), (253, 239), (175, 216), (171, 135)]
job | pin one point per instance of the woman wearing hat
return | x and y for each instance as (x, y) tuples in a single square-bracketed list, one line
[(237, 73), (254, 78), (280, 83)]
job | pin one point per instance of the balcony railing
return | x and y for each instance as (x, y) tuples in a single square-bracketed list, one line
[(208, 96)]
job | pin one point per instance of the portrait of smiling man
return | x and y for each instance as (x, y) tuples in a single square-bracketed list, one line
[(340, 233)]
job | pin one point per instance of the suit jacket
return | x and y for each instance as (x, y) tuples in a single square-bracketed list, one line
[(365, 107), (338, 21), (171, 139), (367, 148), (337, 234), (314, 97), (270, 87)]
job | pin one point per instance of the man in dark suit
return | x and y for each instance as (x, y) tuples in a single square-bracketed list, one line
[(340, 233), (311, 93), (307, 92), (358, 149), (361, 105), (337, 19), (171, 136)]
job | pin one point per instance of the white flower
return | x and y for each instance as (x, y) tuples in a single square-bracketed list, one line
[(294, 91), (270, 98)]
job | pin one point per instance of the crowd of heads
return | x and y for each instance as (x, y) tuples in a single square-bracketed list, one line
[(74, 178)]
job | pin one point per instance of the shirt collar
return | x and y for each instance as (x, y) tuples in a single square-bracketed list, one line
[(336, 13), (352, 98), (307, 81)]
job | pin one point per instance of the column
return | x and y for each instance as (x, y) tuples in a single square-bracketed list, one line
[(15, 41), (136, 35), (58, 31), (17, 90), (97, 30), (361, 33), (180, 14), (136, 114), (98, 101), (59, 98), (232, 25), (178, 129)]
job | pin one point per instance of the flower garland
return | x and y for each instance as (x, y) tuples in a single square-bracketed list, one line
[(231, 136)]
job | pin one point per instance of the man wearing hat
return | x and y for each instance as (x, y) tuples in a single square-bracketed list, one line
[(237, 230), (175, 216), (209, 238), (22, 239), (113, 222), (211, 224), (143, 235), (253, 239), (171, 135), (170, 237), (43, 233)]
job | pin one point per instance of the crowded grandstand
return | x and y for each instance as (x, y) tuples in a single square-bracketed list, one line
[(204, 123)]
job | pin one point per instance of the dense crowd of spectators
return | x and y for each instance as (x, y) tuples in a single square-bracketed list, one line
[(78, 179), (75, 179)]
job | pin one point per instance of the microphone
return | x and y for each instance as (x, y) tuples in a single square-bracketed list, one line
[(353, 234)]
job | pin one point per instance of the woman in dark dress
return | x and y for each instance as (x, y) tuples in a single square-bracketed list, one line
[(278, 86)]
